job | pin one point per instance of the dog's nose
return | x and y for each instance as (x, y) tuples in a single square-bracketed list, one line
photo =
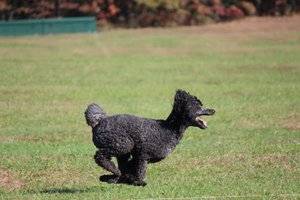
[(207, 112), (211, 111)]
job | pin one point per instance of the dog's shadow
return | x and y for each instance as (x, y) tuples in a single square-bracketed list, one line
[(63, 191), (68, 190), (103, 178)]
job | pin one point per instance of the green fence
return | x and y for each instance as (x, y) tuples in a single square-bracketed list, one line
[(47, 26)]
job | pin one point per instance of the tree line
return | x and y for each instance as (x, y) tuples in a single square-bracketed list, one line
[(144, 13)]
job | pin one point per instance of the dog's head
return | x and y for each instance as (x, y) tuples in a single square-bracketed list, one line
[(191, 109)]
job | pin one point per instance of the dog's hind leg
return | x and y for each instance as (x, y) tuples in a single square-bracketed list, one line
[(103, 159), (123, 162), (137, 172), (140, 173), (125, 166)]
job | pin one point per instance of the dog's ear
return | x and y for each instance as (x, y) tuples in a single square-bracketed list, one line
[(180, 99), (198, 100), (181, 95)]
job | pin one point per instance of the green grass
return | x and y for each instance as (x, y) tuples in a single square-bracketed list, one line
[(251, 147)]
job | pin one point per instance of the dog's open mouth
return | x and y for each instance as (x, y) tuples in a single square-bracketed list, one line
[(201, 122)]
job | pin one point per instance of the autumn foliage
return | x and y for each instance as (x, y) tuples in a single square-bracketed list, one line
[(144, 13)]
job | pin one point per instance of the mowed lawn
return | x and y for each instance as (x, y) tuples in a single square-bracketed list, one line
[(248, 70)]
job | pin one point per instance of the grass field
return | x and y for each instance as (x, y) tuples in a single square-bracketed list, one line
[(248, 70)]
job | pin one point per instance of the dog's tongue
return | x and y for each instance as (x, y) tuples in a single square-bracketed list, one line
[(204, 122)]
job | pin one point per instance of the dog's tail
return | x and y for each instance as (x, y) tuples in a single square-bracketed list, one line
[(94, 114)]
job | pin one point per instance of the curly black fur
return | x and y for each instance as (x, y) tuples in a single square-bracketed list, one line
[(136, 141)]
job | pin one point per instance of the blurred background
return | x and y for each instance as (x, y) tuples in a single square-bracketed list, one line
[(247, 68), (145, 13)]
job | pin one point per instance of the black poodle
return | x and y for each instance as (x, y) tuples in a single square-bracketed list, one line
[(136, 141)]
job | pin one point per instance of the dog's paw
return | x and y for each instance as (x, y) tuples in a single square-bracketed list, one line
[(139, 183), (130, 179), (124, 179), (109, 178)]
